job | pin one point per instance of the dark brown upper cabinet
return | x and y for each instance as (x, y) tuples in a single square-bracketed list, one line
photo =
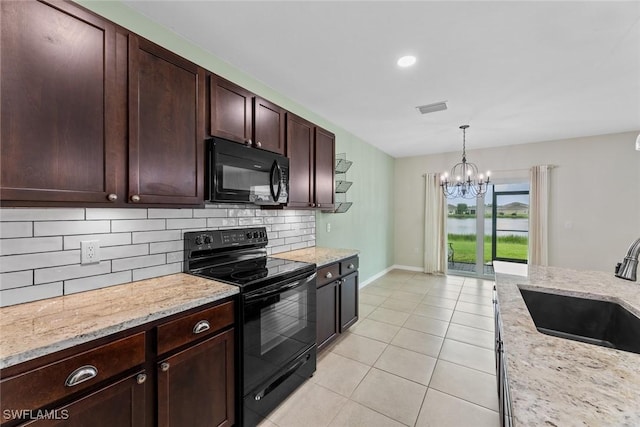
[(241, 116), (311, 152), (57, 85), (325, 154), (166, 126)]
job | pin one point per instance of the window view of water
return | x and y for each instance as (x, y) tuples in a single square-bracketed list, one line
[(468, 226)]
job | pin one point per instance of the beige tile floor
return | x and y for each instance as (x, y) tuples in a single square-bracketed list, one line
[(421, 354)]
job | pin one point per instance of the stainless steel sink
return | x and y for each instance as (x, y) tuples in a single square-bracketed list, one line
[(598, 322)]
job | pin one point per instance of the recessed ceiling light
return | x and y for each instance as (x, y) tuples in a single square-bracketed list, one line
[(406, 61)]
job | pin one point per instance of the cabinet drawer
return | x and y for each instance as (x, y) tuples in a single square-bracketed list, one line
[(189, 328), (42, 386), (348, 266), (328, 274)]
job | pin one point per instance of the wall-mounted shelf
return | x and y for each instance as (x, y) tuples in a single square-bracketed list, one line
[(342, 185)]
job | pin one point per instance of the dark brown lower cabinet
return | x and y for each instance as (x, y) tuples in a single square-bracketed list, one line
[(337, 300), (120, 404), (327, 314), (196, 385)]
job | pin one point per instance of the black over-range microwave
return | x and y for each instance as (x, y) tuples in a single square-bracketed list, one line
[(238, 173)]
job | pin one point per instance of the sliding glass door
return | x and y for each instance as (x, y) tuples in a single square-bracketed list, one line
[(510, 237)]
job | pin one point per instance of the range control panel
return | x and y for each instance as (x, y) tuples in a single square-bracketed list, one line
[(218, 239)]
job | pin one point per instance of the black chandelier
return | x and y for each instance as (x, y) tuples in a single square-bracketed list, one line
[(464, 180)]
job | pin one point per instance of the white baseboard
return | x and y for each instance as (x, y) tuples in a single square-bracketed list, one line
[(386, 270)]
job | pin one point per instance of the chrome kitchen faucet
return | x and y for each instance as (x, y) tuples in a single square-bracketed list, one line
[(629, 266)]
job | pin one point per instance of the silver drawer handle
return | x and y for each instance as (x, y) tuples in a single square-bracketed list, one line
[(350, 266), (80, 375), (201, 326), (328, 275)]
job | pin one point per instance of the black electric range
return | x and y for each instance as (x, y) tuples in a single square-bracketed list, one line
[(276, 316)]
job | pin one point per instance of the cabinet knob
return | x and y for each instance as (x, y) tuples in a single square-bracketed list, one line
[(164, 366), (201, 326), (328, 275), (350, 266), (135, 198), (313, 205), (112, 197), (141, 378), (258, 144), (248, 142), (80, 375)]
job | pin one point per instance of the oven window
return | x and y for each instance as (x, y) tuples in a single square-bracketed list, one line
[(282, 320), (277, 328)]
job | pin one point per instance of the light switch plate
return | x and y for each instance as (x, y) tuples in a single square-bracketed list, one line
[(90, 252)]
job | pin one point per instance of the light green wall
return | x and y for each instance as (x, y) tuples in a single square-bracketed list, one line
[(368, 225)]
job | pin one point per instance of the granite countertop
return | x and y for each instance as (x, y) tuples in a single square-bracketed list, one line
[(559, 382), (317, 255), (34, 329)]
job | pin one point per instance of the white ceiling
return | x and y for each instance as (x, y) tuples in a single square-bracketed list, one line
[(517, 72)]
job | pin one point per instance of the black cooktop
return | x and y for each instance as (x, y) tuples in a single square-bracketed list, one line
[(256, 272)]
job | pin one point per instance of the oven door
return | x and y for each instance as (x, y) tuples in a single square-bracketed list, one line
[(239, 173), (279, 324)]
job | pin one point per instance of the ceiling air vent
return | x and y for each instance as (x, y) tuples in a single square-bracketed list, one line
[(430, 108)]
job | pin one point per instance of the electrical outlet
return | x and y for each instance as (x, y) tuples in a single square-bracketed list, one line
[(90, 250), (328, 227)]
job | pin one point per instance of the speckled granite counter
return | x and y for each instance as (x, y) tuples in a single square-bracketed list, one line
[(42, 327), (559, 382), (317, 255)]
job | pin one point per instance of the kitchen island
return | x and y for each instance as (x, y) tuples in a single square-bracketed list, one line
[(556, 381)]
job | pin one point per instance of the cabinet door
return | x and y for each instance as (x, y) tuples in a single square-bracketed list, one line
[(166, 126), (196, 386), (269, 123), (57, 88), (327, 314), (324, 169), (120, 404), (231, 112), (301, 161), (348, 301)]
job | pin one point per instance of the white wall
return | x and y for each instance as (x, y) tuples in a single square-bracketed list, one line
[(595, 196)]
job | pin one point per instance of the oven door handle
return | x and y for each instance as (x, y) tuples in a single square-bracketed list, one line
[(276, 194), (274, 290)]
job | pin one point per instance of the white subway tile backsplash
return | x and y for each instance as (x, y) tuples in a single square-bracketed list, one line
[(138, 262), (118, 226), (96, 282), (170, 213), (122, 213), (159, 247), (10, 230), (241, 212), (136, 243), (209, 213), (177, 256), (53, 274), (16, 279), (41, 214), (222, 222), (111, 239), (57, 228), (30, 245), (38, 260), (198, 223), (115, 252), (30, 293), (248, 222), (161, 270), (156, 236)]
